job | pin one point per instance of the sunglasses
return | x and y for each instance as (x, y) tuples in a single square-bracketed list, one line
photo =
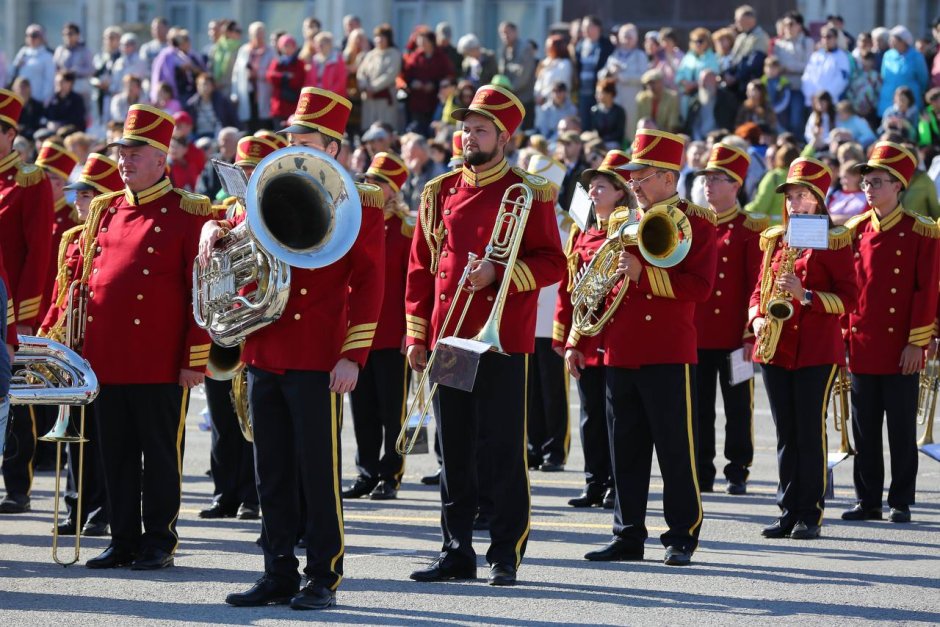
[(699, 41)]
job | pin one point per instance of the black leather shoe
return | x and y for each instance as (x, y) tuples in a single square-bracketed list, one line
[(778, 529), (248, 512), (677, 556), (14, 505), (591, 497), (736, 488), (152, 559), (66, 527), (610, 498), (217, 510), (860, 513), (113, 557), (432, 479), (313, 596), (898, 515), (442, 569), (617, 550), (266, 591), (384, 491), (95, 529), (502, 575), (551, 467), (359, 489), (802, 531)]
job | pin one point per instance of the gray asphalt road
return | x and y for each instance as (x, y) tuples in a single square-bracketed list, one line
[(858, 572)]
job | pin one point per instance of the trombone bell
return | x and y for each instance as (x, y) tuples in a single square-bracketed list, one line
[(63, 430)]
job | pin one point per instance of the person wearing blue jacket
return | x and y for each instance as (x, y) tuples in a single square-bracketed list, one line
[(902, 65)]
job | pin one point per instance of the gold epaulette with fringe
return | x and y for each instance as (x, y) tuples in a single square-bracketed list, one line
[(542, 189), (427, 213), (769, 236), (853, 222), (571, 255), (219, 211), (62, 277), (195, 204), (28, 174), (370, 195), (691, 209), (839, 237), (924, 226), (756, 221), (95, 211)]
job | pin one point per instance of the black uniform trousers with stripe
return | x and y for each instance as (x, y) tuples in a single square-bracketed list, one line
[(296, 424), (548, 428), (649, 407), (20, 451), (94, 492), (232, 459), (493, 416), (739, 419), (378, 408), (595, 440), (876, 398), (798, 402), (142, 429)]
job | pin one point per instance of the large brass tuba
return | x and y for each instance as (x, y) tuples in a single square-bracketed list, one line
[(302, 210), (663, 236)]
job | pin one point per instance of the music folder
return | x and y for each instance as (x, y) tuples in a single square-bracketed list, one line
[(456, 362)]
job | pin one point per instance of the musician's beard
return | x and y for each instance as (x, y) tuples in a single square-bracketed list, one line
[(479, 157)]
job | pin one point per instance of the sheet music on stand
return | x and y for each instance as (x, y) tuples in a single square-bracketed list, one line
[(581, 208), (233, 180)]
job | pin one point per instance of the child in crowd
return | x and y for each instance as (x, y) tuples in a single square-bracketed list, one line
[(859, 127), (777, 87), (901, 117), (865, 87)]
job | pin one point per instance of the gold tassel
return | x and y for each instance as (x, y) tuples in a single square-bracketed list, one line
[(62, 277), (756, 221), (427, 214), (924, 226), (370, 195), (195, 204), (28, 174), (542, 190), (768, 239), (840, 237), (691, 209)]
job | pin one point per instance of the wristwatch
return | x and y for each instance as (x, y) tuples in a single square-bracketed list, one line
[(807, 298)]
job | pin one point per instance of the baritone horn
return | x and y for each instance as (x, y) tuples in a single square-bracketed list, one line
[(927, 407), (840, 409)]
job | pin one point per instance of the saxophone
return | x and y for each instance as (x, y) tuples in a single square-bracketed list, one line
[(775, 303)]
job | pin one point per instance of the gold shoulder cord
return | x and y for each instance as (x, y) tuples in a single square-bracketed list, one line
[(433, 228)]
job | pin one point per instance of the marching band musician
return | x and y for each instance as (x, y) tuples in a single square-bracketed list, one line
[(142, 341), (650, 349), (457, 216), (896, 256), (298, 369), (799, 369), (379, 400), (25, 237), (610, 192), (57, 163), (721, 322)]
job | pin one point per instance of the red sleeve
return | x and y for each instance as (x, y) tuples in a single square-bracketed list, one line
[(419, 290), (196, 349), (843, 297), (754, 257), (298, 76), (273, 74), (37, 232), (365, 286), (541, 261), (924, 305), (691, 279)]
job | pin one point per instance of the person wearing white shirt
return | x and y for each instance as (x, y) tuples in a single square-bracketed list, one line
[(829, 69)]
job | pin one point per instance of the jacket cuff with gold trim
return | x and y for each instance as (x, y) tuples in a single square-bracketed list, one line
[(573, 338), (558, 334), (920, 336), (11, 313), (198, 356), (522, 278), (416, 328), (831, 303), (358, 342), (29, 309)]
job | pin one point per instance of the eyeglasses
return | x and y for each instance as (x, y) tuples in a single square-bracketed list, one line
[(637, 182), (699, 41), (871, 183), (717, 178)]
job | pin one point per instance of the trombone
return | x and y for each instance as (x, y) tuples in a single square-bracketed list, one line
[(927, 400), (840, 410), (503, 248)]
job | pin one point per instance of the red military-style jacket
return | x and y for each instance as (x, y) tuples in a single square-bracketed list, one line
[(25, 225), (399, 229), (721, 321), (140, 326), (64, 218), (332, 312), (897, 259), (655, 323), (68, 268), (813, 335), (456, 217)]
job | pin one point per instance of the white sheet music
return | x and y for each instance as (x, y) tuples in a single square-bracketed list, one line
[(741, 370), (580, 207), (808, 231), (233, 179)]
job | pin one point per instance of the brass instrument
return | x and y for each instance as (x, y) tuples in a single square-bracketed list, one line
[(840, 409), (927, 402), (239, 396), (502, 248), (778, 308), (302, 209), (225, 362), (663, 236)]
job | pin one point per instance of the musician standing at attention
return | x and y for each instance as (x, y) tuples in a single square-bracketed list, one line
[(801, 355), (456, 217), (896, 256)]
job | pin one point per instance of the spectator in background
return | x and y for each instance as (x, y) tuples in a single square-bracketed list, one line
[(517, 62), (130, 62), (723, 42), (820, 121), (572, 156), (794, 51), (756, 107), (750, 47), (66, 107), (175, 66), (552, 112), (34, 62), (311, 28), (479, 64), (626, 64), (209, 111), (357, 45), (881, 43), (714, 107), (286, 76), (423, 71), (928, 129), (350, 23), (865, 89), (159, 29), (829, 69), (902, 65), (131, 93), (250, 89), (658, 103), (696, 158), (846, 41), (214, 31), (416, 153), (778, 89), (590, 57), (766, 200), (181, 174), (901, 117), (327, 70), (165, 99), (376, 77), (657, 58), (227, 142), (445, 38), (31, 117), (672, 54), (849, 200), (607, 117), (223, 57), (863, 46), (74, 56), (101, 78), (699, 57), (847, 118), (751, 134), (921, 194)]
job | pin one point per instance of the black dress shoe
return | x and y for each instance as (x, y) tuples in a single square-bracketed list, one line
[(359, 489), (591, 497), (443, 569), (802, 531), (217, 510), (899, 515), (384, 491), (66, 527), (113, 557), (248, 512), (617, 550), (736, 488), (677, 556), (14, 505), (778, 529), (551, 467), (313, 596), (610, 498), (266, 591), (432, 479), (152, 559), (860, 513), (95, 529), (502, 575)]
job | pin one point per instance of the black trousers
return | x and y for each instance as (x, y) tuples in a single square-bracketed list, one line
[(142, 429), (548, 429), (798, 402), (232, 459), (378, 408), (594, 435), (20, 451), (874, 399), (651, 407), (493, 415), (739, 419), (297, 422), (94, 492)]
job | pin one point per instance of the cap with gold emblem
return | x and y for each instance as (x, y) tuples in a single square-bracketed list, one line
[(729, 160), (11, 105), (893, 158), (498, 104), (99, 174), (548, 168), (656, 149), (614, 166), (278, 140), (388, 168), (251, 150), (456, 142), (55, 159), (319, 110), (810, 173), (146, 125)]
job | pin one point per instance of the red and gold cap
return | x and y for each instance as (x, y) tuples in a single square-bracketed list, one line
[(251, 150), (11, 105), (99, 174), (456, 143), (810, 173), (656, 149), (498, 104), (615, 166), (279, 140), (729, 160), (893, 158), (147, 126), (54, 158), (389, 168), (322, 111)]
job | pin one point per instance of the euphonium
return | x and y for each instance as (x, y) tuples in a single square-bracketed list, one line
[(927, 407), (778, 308)]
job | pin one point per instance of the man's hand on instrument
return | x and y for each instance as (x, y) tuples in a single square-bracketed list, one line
[(482, 273), (191, 378), (574, 359), (417, 357), (912, 358), (211, 232), (758, 324), (790, 283), (629, 266), (344, 376)]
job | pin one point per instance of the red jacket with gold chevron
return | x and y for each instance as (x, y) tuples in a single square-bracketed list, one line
[(456, 217)]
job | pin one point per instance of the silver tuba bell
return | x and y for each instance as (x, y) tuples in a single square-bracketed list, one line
[(303, 210)]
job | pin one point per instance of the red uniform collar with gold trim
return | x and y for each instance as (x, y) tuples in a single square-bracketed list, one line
[(482, 179), (729, 215), (150, 194), (10, 161), (885, 224)]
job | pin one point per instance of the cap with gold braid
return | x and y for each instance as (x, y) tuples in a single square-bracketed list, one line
[(56, 159), (278, 140), (656, 149), (251, 150), (99, 174), (456, 159), (146, 125), (388, 168), (893, 158), (729, 160), (810, 173), (498, 104), (319, 110), (548, 168), (11, 105), (614, 166)]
